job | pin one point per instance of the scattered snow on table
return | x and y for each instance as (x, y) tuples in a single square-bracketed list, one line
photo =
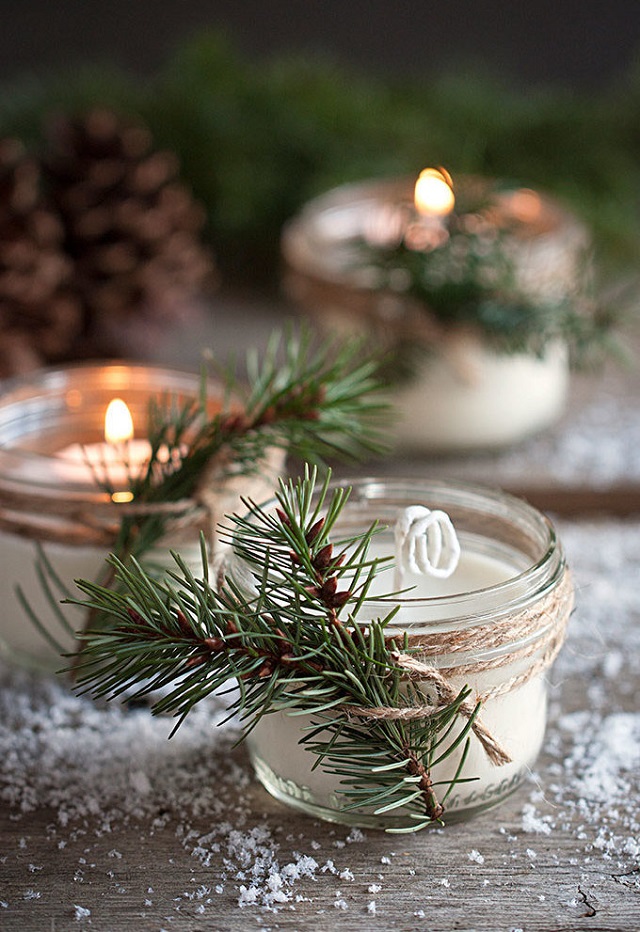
[(101, 767), (598, 446)]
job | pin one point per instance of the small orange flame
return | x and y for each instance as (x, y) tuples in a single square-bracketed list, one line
[(118, 423), (433, 194)]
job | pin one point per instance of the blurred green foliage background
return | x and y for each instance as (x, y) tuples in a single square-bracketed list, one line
[(256, 138)]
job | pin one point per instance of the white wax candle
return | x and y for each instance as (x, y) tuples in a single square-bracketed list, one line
[(103, 463), (516, 720), (474, 571), (113, 463), (469, 396), (19, 637)]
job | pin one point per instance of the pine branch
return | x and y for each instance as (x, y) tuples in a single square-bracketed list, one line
[(471, 280), (310, 402), (292, 640)]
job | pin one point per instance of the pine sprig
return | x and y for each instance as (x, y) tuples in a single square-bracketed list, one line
[(309, 402), (291, 636), (471, 280), (317, 402)]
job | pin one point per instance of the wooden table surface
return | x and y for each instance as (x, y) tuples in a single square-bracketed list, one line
[(551, 857), (562, 853)]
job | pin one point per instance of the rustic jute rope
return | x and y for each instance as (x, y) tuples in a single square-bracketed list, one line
[(542, 628), (76, 522), (388, 310), (63, 521)]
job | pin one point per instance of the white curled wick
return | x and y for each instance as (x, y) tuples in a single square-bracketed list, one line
[(426, 544)]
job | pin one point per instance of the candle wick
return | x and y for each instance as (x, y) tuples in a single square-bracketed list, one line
[(426, 543)]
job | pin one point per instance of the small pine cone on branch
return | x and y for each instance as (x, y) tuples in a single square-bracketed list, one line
[(39, 318), (131, 227)]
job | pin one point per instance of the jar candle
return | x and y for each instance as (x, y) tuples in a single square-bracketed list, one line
[(52, 494), (464, 394), (494, 625)]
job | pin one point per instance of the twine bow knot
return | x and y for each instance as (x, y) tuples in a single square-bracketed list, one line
[(445, 693)]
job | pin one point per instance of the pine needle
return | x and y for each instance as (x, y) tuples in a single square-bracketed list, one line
[(290, 646)]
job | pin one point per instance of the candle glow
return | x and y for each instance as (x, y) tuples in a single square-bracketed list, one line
[(118, 423), (433, 193), (115, 461)]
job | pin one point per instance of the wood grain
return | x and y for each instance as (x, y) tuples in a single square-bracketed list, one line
[(620, 500), (428, 881), (497, 873)]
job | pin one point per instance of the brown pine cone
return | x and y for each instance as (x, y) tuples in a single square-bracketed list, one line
[(39, 318), (131, 228)]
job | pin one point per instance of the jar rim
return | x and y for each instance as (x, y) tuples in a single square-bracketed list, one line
[(516, 593), (29, 404), (305, 243), (479, 493)]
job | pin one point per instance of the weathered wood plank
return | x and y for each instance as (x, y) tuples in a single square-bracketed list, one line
[(618, 500), (504, 870), (429, 881)]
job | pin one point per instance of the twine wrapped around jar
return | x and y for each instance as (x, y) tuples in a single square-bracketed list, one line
[(93, 520), (539, 630), (478, 643)]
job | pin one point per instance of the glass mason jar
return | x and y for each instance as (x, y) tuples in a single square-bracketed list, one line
[(465, 393), (52, 500), (496, 626)]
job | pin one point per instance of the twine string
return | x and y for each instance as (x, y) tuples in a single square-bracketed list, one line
[(57, 520), (72, 520), (446, 695), (543, 625)]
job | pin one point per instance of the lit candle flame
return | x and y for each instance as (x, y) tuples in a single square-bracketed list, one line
[(433, 194), (118, 423)]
